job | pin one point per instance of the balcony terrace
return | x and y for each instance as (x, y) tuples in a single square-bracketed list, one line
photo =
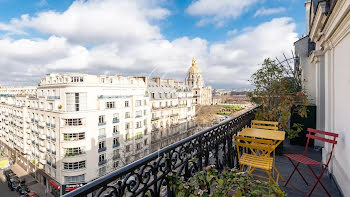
[(213, 146)]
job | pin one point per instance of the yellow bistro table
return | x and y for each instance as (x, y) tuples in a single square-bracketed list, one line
[(276, 136)]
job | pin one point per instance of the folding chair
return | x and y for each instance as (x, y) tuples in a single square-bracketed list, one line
[(303, 159), (260, 124), (255, 160)]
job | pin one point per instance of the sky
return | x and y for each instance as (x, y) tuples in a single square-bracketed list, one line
[(155, 38)]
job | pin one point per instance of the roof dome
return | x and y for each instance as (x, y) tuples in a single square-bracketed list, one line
[(194, 68)]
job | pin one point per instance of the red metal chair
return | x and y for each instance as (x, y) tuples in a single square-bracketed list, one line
[(310, 162)]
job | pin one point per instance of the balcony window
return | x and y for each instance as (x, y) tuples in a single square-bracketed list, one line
[(115, 118), (126, 103), (116, 130), (73, 136), (116, 142), (127, 126), (74, 165), (102, 171), (110, 105), (138, 124), (101, 146), (101, 120), (138, 146), (138, 103), (138, 114), (102, 133), (73, 122), (101, 159), (127, 114), (70, 152), (116, 154), (139, 135)]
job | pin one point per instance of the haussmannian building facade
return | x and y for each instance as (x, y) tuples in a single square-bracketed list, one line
[(173, 112), (202, 94), (74, 128)]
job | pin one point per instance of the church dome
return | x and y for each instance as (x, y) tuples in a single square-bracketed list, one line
[(194, 68)]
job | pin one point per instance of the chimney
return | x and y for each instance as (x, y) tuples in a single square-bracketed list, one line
[(170, 82), (157, 80)]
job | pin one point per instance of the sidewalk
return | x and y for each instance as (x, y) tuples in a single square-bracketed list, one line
[(33, 185)]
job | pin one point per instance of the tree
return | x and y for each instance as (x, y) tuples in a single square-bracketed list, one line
[(279, 91)]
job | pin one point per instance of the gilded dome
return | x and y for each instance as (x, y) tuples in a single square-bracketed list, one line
[(194, 68)]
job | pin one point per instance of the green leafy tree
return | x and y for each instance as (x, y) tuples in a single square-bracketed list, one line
[(278, 90)]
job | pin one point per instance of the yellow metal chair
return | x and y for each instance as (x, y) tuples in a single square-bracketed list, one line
[(254, 159), (260, 124)]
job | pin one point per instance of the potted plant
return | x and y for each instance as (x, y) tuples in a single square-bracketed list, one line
[(228, 182), (278, 89)]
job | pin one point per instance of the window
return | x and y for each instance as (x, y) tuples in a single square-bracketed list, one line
[(116, 142), (127, 114), (76, 101), (127, 137), (101, 158), (160, 95), (145, 102), (126, 103), (138, 114), (138, 124), (127, 126), (110, 105), (145, 142), (102, 133), (138, 103), (127, 148), (145, 122), (74, 122), (115, 129), (74, 165), (69, 152), (152, 95), (77, 79), (139, 135), (138, 146), (73, 136), (115, 164), (144, 112), (74, 179), (166, 95), (102, 145), (101, 119), (115, 118), (116, 154), (102, 171)]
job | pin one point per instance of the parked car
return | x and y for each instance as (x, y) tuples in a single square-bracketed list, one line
[(12, 184), (8, 174), (23, 189)]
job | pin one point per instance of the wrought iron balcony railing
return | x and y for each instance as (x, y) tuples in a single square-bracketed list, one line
[(148, 176)]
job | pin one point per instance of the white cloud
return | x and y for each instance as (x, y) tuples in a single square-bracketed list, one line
[(217, 12), (226, 64), (98, 21), (269, 11)]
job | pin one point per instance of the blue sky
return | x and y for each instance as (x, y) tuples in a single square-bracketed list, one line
[(151, 38)]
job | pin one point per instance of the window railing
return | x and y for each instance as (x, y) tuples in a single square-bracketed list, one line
[(116, 133), (102, 149), (101, 136), (53, 97), (100, 163), (101, 123), (115, 120), (116, 144), (212, 146)]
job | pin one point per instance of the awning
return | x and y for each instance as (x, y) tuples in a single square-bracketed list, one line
[(55, 185)]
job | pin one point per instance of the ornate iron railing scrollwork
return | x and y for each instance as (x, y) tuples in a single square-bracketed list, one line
[(148, 176)]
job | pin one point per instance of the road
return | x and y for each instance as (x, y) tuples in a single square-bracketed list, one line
[(4, 190)]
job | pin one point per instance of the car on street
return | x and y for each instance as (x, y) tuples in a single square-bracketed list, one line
[(23, 189), (12, 184), (8, 174)]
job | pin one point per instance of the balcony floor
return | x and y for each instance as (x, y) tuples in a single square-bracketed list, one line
[(297, 187)]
